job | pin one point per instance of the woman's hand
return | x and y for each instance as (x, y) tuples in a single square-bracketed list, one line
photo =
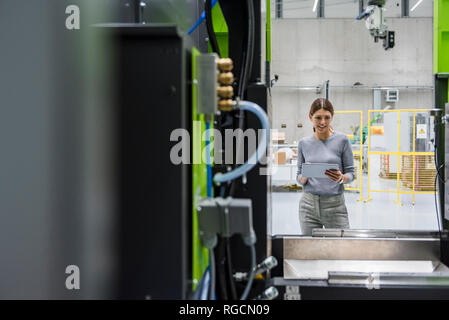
[(303, 180), (335, 175)]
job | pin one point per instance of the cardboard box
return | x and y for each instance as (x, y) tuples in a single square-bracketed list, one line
[(377, 130), (278, 137), (280, 158)]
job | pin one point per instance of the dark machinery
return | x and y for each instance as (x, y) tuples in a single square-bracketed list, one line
[(162, 254)]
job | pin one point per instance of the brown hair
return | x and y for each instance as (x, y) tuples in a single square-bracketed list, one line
[(321, 103)]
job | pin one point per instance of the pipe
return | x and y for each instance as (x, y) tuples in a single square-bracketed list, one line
[(212, 275), (258, 154), (208, 161), (200, 19), (206, 286), (210, 27), (199, 289), (251, 275)]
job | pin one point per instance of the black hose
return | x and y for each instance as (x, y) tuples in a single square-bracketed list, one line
[(210, 28), (437, 175), (212, 275), (436, 206), (221, 271), (248, 55), (435, 147), (229, 271), (252, 28), (251, 273)]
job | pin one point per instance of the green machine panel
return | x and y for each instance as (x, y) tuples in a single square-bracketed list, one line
[(200, 255), (441, 36)]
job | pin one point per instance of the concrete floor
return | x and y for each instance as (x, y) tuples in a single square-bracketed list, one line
[(380, 213)]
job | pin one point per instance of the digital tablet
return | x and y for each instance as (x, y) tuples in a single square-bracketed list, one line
[(316, 170)]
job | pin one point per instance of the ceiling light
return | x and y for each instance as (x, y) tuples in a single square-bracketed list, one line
[(417, 4), (316, 3)]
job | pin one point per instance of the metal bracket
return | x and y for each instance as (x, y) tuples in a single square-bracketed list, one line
[(225, 217)]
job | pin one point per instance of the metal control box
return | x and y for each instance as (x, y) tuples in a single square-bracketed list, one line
[(225, 217), (207, 74)]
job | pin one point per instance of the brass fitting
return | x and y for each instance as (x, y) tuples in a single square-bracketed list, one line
[(225, 105), (225, 64), (226, 78), (225, 92)]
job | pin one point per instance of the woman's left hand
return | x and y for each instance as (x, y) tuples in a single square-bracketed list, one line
[(334, 175)]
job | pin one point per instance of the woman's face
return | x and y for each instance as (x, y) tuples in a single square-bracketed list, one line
[(321, 120)]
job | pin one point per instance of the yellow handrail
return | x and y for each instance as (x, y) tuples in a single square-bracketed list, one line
[(360, 152)]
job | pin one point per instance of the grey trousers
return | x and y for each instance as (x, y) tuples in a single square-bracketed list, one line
[(322, 211)]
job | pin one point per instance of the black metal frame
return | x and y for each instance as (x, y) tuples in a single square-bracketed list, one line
[(322, 290), (441, 98), (153, 194)]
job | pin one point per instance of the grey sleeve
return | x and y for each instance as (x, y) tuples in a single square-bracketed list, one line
[(348, 160), (300, 162)]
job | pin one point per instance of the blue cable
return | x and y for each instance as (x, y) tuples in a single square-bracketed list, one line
[(206, 284), (222, 191), (201, 19), (208, 162), (220, 178), (199, 289)]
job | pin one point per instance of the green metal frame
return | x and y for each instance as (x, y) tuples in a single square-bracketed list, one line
[(441, 36), (221, 31), (200, 258)]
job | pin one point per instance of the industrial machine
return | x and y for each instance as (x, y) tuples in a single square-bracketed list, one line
[(188, 235)]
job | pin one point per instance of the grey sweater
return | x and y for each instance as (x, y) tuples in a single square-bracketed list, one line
[(336, 149)]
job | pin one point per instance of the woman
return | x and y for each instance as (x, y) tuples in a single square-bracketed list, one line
[(323, 203)]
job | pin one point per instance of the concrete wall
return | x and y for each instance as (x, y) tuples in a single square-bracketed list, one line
[(307, 52), (350, 8)]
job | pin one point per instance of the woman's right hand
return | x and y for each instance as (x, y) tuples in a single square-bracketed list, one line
[(303, 180)]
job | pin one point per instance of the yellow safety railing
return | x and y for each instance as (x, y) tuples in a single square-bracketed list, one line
[(359, 153), (398, 153)]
